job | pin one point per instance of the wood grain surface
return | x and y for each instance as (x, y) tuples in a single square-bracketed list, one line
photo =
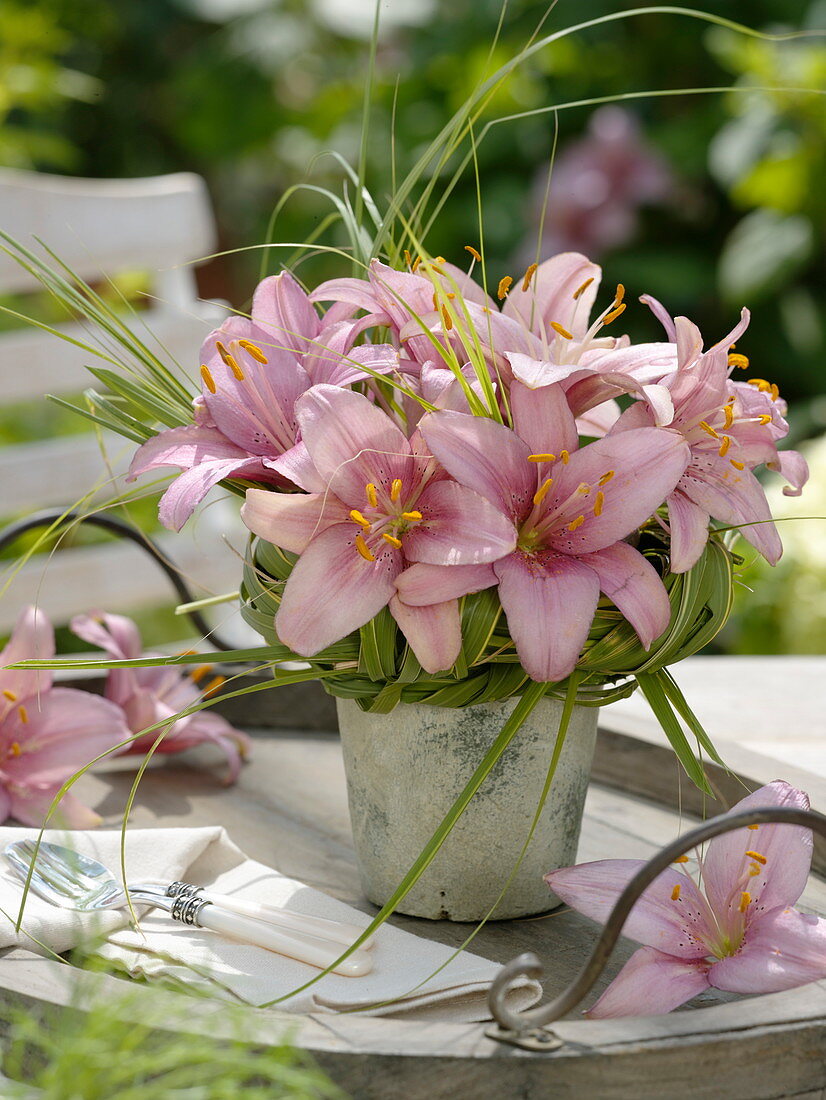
[(289, 810)]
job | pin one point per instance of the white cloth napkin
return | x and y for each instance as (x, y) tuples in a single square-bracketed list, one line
[(405, 965)]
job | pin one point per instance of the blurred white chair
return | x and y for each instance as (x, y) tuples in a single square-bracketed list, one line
[(103, 227)]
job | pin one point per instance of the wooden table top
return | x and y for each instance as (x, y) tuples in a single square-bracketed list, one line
[(289, 810)]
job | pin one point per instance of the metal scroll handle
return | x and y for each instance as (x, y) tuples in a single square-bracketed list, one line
[(124, 530), (527, 1029)]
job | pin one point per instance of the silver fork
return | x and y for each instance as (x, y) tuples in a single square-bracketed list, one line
[(70, 880)]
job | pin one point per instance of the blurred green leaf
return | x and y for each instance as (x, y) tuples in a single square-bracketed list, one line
[(762, 252)]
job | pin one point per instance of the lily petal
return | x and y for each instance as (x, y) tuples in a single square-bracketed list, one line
[(550, 602), (31, 639), (458, 527), (793, 466), (281, 306), (485, 456), (291, 520), (434, 633), (650, 984), (635, 586), (735, 497), (65, 729), (645, 464), (333, 590), (550, 295), (30, 805), (352, 443), (188, 489), (115, 634), (420, 585), (781, 950), (787, 850), (677, 927), (543, 418), (689, 531)]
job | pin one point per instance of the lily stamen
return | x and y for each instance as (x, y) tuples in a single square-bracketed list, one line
[(745, 901), (618, 297), (543, 490), (681, 859), (358, 518), (209, 381), (675, 893), (10, 695), (756, 857), (213, 685), (708, 429), (363, 549), (565, 457), (412, 516), (372, 499), (505, 284), (563, 332), (232, 363), (572, 526), (599, 500), (724, 446), (24, 714), (476, 255), (737, 464), (201, 670), (740, 361), (581, 289), (765, 419), (253, 350), (392, 540), (395, 489), (542, 458), (612, 316), (14, 748), (728, 411), (529, 274), (606, 477)]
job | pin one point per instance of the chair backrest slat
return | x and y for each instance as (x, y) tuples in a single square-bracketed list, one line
[(100, 228)]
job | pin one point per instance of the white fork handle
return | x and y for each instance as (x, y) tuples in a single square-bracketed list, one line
[(337, 931), (308, 949)]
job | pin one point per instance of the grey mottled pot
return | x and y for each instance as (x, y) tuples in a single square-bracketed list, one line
[(406, 768)]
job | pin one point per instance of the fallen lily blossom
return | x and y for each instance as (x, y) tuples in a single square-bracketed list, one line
[(148, 696), (737, 931), (47, 733)]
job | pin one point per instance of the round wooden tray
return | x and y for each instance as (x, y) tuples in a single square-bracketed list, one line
[(289, 809)]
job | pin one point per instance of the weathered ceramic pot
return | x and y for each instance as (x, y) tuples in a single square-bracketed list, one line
[(405, 770)]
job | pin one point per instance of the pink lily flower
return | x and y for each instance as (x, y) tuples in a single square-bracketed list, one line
[(383, 503), (731, 427), (572, 509), (252, 374), (737, 931), (47, 733), (244, 419), (150, 695)]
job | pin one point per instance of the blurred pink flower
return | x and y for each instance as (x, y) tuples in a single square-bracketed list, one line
[(47, 733), (597, 187), (738, 933), (151, 695)]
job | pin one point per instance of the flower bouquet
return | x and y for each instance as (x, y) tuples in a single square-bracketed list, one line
[(460, 498), (468, 495)]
